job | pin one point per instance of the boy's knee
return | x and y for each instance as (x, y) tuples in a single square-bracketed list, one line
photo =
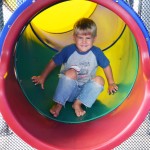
[(99, 80), (71, 73)]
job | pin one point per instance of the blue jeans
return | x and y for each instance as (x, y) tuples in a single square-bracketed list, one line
[(68, 90)]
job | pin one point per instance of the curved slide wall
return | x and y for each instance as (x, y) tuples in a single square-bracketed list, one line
[(25, 43)]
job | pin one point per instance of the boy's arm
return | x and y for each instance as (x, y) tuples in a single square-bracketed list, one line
[(112, 87), (41, 78)]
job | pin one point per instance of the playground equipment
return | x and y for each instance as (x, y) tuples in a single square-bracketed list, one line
[(27, 46)]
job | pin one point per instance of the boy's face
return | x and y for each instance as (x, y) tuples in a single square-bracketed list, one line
[(84, 42)]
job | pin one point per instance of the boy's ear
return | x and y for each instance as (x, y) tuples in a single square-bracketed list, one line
[(95, 38), (73, 37)]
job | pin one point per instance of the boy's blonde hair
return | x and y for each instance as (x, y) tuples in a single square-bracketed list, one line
[(85, 26)]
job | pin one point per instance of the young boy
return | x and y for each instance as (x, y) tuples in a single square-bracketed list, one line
[(77, 81)]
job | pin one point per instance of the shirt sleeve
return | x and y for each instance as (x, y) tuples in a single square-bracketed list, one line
[(102, 60), (60, 57)]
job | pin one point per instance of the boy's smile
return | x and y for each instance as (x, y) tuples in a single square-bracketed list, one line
[(84, 42)]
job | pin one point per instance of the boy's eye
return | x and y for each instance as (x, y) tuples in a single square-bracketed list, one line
[(88, 38), (80, 37)]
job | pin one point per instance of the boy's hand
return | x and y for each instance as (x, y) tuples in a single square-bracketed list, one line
[(112, 88), (38, 80)]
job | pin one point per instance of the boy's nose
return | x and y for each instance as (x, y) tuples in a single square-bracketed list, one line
[(84, 40)]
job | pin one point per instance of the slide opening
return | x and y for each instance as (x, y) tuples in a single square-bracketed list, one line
[(42, 38)]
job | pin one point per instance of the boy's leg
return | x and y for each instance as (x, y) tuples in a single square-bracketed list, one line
[(65, 87), (88, 95)]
